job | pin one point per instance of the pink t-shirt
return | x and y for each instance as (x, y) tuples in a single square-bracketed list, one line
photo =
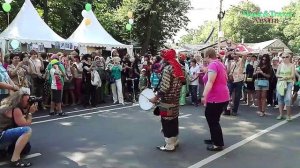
[(219, 92)]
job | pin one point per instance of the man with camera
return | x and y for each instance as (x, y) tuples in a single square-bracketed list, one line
[(15, 118)]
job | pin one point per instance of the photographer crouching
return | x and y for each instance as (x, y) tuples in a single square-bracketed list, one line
[(15, 118)]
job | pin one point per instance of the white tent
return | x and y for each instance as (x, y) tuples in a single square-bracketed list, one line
[(94, 35), (269, 46), (29, 27)]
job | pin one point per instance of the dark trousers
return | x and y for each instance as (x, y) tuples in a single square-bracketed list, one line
[(237, 88), (170, 128), (101, 92), (213, 113), (193, 91), (271, 97), (88, 92)]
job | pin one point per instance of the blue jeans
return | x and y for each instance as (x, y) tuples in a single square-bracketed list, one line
[(12, 135), (237, 88)]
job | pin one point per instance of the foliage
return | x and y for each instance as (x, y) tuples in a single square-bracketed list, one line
[(237, 27), (201, 34), (155, 21)]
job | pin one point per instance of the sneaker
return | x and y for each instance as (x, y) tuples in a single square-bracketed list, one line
[(63, 114), (279, 117), (115, 102), (269, 105), (288, 118), (276, 107), (253, 105)]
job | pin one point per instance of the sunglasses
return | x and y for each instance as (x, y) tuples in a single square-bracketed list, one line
[(284, 57)]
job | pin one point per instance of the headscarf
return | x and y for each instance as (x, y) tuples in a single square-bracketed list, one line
[(170, 57), (182, 56)]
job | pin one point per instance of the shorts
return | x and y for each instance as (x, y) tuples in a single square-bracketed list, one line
[(287, 98), (261, 87), (56, 96), (12, 135)]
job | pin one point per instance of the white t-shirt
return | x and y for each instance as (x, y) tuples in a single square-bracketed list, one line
[(194, 71)]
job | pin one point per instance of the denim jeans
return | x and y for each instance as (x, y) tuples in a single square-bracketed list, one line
[(193, 91), (237, 88)]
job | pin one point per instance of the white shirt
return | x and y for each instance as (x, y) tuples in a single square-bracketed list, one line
[(194, 71)]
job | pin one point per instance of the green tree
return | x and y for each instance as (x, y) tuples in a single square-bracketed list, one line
[(237, 26), (157, 21), (201, 34)]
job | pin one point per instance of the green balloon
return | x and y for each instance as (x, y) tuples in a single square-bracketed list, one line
[(128, 27), (88, 7), (6, 7)]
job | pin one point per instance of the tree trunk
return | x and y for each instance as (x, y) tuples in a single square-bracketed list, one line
[(46, 11), (146, 43)]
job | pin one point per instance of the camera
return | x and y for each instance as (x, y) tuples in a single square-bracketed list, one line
[(34, 99)]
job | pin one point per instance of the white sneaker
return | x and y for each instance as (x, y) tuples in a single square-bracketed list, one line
[(269, 105), (276, 107), (253, 105)]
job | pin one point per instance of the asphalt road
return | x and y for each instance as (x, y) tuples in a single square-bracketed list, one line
[(116, 136)]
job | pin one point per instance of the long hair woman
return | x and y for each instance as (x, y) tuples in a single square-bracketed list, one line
[(285, 75), (262, 75), (215, 81)]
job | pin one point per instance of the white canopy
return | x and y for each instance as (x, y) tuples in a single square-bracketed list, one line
[(28, 27), (94, 35)]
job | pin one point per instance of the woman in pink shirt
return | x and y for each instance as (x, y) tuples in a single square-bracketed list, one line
[(215, 98)]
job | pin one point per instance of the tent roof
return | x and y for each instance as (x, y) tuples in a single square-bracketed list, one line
[(29, 27), (268, 44), (94, 35)]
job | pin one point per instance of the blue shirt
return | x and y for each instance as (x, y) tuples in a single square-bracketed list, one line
[(4, 78)]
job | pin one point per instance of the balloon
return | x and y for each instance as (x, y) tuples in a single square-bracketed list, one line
[(130, 14), (128, 27), (87, 21), (8, 1), (88, 7), (15, 44), (6, 7), (84, 13), (130, 21)]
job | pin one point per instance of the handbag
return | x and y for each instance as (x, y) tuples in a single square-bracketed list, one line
[(262, 83), (230, 76)]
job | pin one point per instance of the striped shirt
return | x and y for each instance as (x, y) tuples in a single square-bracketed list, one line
[(4, 78)]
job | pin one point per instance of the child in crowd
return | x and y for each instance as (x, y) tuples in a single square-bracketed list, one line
[(143, 84), (155, 76), (96, 83), (56, 88)]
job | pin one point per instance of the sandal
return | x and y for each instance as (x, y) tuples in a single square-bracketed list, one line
[(20, 163)]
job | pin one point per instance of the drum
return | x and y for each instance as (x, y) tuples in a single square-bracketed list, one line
[(144, 98)]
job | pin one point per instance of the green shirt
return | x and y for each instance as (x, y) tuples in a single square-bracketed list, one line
[(116, 71)]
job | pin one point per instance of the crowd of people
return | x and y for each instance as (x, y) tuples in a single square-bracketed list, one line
[(91, 79)]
